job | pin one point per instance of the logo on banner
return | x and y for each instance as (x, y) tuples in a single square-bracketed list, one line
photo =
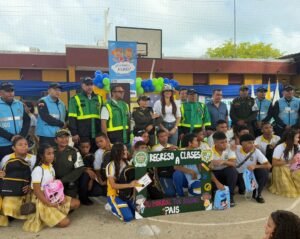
[(140, 159), (123, 67), (206, 155)]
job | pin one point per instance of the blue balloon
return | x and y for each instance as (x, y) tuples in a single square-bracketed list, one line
[(98, 72), (105, 75), (166, 81), (152, 88), (144, 83)]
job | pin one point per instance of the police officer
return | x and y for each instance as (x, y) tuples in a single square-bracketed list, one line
[(52, 115), (144, 118), (243, 110), (13, 118), (286, 111), (194, 114), (68, 164), (115, 117), (263, 106), (84, 113)]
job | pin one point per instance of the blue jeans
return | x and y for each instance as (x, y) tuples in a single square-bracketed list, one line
[(124, 210), (173, 138), (167, 186), (181, 182)]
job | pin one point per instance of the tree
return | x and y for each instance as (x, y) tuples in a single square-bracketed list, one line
[(244, 50)]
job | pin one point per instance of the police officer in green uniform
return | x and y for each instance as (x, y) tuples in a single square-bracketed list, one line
[(194, 114), (84, 113), (115, 117), (68, 164), (243, 110)]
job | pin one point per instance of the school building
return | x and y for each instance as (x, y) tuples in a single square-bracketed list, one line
[(78, 61)]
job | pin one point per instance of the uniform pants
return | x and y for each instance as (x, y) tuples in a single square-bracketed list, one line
[(261, 176), (181, 182), (167, 186), (122, 209), (227, 176)]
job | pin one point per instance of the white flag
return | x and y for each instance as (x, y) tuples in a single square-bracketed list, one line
[(276, 94), (252, 91)]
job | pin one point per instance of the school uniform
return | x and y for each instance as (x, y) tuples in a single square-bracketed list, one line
[(225, 174), (124, 210), (284, 182), (261, 174), (45, 215), (11, 204), (262, 144)]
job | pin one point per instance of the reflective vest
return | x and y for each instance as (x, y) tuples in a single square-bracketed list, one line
[(11, 119), (194, 115), (288, 111), (263, 107), (86, 108), (57, 111), (118, 116)]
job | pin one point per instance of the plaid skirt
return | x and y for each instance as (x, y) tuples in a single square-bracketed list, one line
[(3, 219), (46, 216), (11, 206), (284, 182)]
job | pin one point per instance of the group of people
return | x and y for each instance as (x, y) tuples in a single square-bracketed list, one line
[(89, 146)]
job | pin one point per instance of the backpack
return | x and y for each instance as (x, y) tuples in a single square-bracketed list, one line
[(126, 176), (222, 199), (105, 161), (17, 176)]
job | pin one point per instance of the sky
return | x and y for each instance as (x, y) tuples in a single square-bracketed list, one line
[(189, 27)]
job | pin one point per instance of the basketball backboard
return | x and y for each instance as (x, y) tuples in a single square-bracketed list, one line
[(149, 41)]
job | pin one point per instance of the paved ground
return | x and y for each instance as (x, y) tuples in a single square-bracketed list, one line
[(245, 221)]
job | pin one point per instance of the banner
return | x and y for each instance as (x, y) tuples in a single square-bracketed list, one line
[(122, 63), (146, 207)]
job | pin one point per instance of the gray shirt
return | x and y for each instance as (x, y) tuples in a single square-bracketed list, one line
[(217, 113)]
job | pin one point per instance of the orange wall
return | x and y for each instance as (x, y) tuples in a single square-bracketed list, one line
[(218, 79), (255, 79), (183, 79), (10, 74), (144, 75)]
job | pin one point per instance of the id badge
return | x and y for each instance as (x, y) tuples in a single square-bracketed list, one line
[(288, 109)]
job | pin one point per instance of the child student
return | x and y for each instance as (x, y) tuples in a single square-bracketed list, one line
[(89, 182), (11, 204), (201, 134), (47, 214), (248, 157), (119, 160)]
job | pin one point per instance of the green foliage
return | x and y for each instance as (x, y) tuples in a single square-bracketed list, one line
[(258, 50)]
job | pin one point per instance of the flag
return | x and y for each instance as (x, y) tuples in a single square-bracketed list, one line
[(252, 91), (276, 94), (268, 95)]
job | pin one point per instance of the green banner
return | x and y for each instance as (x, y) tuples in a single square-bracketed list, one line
[(148, 208)]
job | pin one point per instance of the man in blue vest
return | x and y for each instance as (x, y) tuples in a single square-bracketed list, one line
[(52, 115), (286, 111), (263, 106), (13, 118)]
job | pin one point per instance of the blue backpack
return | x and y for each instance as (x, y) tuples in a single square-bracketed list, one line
[(222, 199), (250, 183)]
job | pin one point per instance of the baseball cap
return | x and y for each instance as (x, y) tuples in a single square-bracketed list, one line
[(288, 87), (261, 89), (168, 87), (192, 91), (7, 86), (244, 87), (55, 85), (62, 132), (143, 97), (86, 80)]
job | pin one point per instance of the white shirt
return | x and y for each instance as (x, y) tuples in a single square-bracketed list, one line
[(104, 112), (279, 152), (225, 155), (257, 156), (159, 147), (30, 158), (229, 136), (43, 175), (98, 159), (261, 143), (168, 117), (33, 120)]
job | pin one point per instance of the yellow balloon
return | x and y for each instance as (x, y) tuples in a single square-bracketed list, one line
[(100, 92)]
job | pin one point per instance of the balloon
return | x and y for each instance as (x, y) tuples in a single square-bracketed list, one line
[(105, 75), (167, 81), (106, 81), (160, 80), (98, 72), (154, 81), (138, 82), (158, 88), (144, 83), (152, 88), (107, 88), (140, 91)]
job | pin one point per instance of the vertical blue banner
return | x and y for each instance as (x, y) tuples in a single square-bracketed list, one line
[(122, 63)]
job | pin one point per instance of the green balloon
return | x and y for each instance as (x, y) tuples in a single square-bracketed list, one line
[(158, 88), (106, 81), (138, 82), (154, 81), (140, 91), (107, 88)]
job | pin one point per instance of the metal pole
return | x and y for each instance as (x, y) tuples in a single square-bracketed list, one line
[(234, 27)]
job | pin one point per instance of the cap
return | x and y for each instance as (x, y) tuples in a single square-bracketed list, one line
[(192, 91), (143, 97), (55, 85), (288, 87), (261, 89), (168, 87), (62, 132), (244, 87), (7, 86), (86, 80)]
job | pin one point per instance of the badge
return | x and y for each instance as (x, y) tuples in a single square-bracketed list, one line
[(70, 158)]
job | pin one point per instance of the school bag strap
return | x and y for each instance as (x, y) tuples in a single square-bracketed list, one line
[(245, 160)]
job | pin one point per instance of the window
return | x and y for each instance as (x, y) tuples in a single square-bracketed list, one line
[(235, 79)]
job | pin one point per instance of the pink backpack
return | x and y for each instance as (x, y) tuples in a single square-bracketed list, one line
[(295, 166), (54, 191)]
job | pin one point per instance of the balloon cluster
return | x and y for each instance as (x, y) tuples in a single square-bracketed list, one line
[(102, 80), (154, 85)]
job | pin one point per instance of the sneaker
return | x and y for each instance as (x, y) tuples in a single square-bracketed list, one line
[(260, 199), (241, 192), (232, 202), (86, 202)]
